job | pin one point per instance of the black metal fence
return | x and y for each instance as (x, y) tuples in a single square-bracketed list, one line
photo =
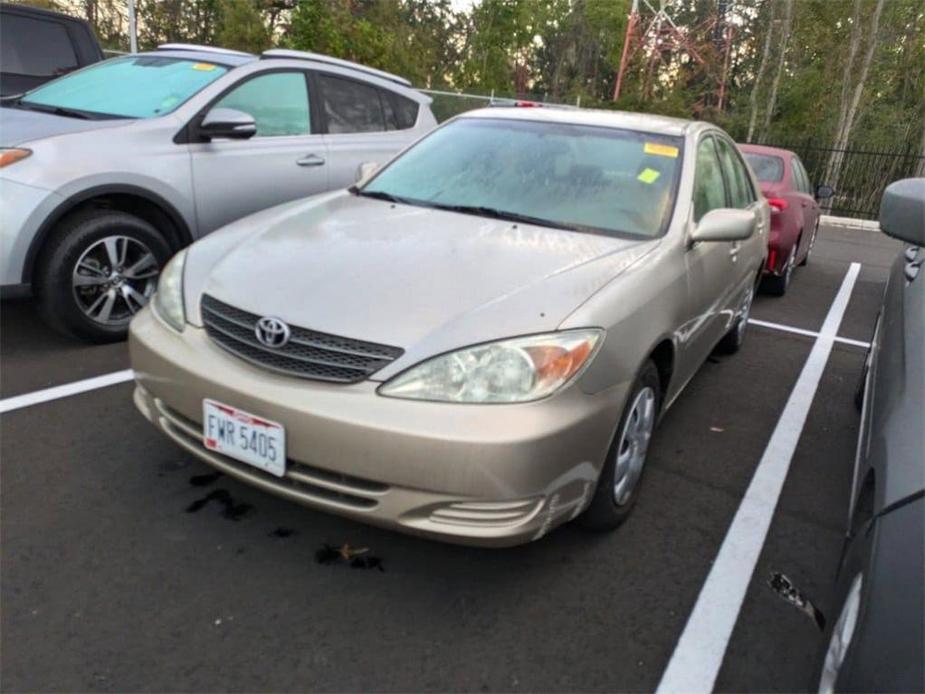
[(862, 174)]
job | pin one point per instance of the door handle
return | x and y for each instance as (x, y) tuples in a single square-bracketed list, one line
[(310, 160)]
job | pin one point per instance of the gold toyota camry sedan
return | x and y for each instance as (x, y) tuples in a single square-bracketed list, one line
[(474, 343)]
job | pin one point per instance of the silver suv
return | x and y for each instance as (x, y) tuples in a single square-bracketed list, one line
[(106, 172)]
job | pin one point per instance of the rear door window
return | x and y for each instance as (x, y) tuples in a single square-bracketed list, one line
[(740, 189), (709, 189), (406, 111), (35, 47), (800, 176), (351, 106)]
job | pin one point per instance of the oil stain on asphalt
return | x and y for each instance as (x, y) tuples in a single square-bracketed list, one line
[(230, 509)]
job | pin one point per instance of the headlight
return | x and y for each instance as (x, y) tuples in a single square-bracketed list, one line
[(516, 370), (168, 301), (11, 155)]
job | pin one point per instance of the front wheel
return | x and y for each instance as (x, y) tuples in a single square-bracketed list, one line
[(619, 481), (97, 271)]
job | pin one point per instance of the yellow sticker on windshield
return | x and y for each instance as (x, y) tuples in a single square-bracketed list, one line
[(661, 150), (648, 176), (206, 67)]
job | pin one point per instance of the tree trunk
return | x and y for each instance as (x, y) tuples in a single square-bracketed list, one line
[(784, 40), (920, 170), (762, 66), (842, 142), (835, 158)]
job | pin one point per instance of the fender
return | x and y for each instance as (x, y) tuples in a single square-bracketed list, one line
[(185, 235)]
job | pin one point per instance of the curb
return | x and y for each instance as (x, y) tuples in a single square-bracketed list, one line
[(849, 223)]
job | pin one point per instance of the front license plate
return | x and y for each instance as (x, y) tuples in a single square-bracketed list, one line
[(245, 437)]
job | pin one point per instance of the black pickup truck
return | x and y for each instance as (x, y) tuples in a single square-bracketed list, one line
[(38, 45)]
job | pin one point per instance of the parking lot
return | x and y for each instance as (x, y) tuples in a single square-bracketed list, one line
[(115, 579)]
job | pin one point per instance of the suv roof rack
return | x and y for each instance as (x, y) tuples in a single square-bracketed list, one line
[(201, 49), (319, 58)]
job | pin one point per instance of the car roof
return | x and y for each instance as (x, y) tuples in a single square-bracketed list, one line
[(286, 54), (644, 122), (207, 54), (764, 149)]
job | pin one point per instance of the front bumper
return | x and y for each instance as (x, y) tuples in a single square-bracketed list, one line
[(492, 475)]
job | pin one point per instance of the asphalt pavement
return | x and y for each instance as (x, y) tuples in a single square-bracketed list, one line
[(126, 565)]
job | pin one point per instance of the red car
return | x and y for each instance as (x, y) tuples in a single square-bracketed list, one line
[(794, 211)]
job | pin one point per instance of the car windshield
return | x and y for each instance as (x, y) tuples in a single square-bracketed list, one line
[(141, 86), (605, 180), (767, 167)]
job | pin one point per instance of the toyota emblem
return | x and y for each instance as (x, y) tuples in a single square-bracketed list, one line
[(272, 332)]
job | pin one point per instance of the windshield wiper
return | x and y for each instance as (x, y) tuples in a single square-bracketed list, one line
[(382, 195), (54, 110), (495, 213)]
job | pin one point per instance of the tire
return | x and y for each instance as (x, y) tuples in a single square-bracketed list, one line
[(77, 290), (733, 340), (776, 285), (611, 504), (812, 243)]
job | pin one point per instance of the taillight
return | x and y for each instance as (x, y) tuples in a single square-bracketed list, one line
[(772, 258), (777, 204), (527, 104)]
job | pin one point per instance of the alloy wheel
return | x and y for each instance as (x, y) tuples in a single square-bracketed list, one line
[(114, 278), (634, 443)]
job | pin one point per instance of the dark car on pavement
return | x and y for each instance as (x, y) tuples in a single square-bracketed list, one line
[(39, 45), (794, 211), (876, 642)]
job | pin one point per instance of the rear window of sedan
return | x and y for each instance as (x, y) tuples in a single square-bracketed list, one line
[(588, 178), (767, 167)]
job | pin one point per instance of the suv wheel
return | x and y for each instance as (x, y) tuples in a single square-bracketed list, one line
[(97, 271)]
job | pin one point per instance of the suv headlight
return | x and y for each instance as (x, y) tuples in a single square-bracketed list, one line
[(515, 370), (168, 301)]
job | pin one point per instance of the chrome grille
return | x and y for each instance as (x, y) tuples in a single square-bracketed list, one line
[(308, 354)]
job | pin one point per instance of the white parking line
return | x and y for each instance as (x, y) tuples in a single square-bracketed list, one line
[(39, 396), (699, 653), (808, 333)]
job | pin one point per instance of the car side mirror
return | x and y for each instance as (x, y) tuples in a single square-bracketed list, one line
[(724, 225), (824, 192), (228, 123), (366, 171), (902, 211)]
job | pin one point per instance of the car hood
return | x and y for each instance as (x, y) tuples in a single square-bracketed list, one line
[(19, 126), (421, 279)]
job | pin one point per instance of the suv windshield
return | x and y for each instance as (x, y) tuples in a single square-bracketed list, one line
[(611, 181), (141, 86)]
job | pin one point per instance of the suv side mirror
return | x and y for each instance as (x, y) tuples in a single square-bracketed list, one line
[(366, 171), (724, 225), (229, 123), (902, 211), (824, 192)]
